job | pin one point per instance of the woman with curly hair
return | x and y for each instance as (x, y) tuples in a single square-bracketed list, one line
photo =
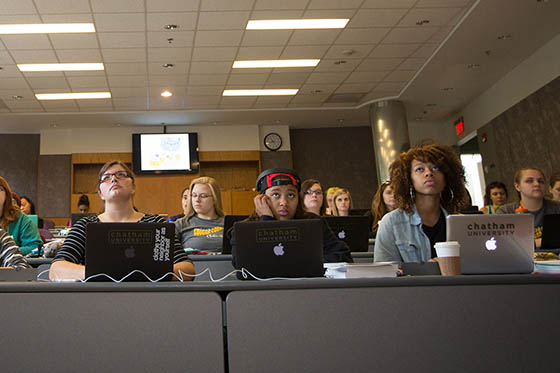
[(383, 203), (429, 183), (494, 197)]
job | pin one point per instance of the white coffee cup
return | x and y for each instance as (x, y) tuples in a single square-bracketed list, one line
[(447, 249)]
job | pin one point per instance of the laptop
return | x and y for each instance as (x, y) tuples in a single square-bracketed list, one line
[(492, 244), (75, 217), (229, 220), (272, 249), (358, 212), (551, 234), (116, 249), (354, 230)]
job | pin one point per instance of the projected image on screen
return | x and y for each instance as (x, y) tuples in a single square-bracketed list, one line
[(165, 152)]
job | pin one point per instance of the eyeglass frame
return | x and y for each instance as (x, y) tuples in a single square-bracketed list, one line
[(317, 193), (123, 176)]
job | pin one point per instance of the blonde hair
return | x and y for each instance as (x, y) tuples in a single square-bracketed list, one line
[(338, 193), (216, 194)]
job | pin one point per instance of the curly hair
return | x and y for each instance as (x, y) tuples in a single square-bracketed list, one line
[(378, 207), (488, 191), (453, 197)]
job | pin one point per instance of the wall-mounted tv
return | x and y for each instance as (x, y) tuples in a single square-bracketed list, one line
[(156, 153)]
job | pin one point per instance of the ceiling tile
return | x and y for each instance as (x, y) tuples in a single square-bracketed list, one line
[(356, 88), (377, 18), (366, 77), (118, 92), (276, 14), (351, 51), (132, 68), (185, 21), (179, 68), (388, 3), (67, 18), (5, 58), (106, 22), (259, 53), (223, 20), (250, 71), (75, 74), (11, 83), (400, 76), (17, 7), (334, 4), (131, 103), (362, 36), (112, 6), (87, 82), (393, 50), (79, 55), (33, 41), (4, 19), (122, 39), (226, 5), (73, 41), (218, 38), (10, 71), (379, 64), (390, 86), (35, 56), (436, 16), (425, 51), (247, 79), (242, 101), (95, 105), (412, 64), (172, 5), (325, 78), (442, 3), (205, 91), (177, 90), (313, 51), (277, 5), (210, 67), (214, 53), (336, 65), (208, 80), (43, 74), (60, 106), (169, 103), (440, 35), (161, 39), (62, 6), (288, 78), (169, 55), (313, 37), (332, 13), (128, 81), (266, 38), (308, 88), (417, 34), (269, 100), (308, 99), (202, 101), (48, 83)]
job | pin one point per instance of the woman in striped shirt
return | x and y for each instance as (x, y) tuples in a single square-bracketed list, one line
[(9, 252), (116, 188)]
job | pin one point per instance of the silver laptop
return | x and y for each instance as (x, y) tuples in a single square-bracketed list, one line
[(492, 244)]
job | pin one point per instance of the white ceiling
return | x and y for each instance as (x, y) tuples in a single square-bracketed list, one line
[(388, 54)]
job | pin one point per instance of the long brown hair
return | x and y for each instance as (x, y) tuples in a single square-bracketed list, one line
[(9, 213), (454, 195), (378, 206), (305, 186)]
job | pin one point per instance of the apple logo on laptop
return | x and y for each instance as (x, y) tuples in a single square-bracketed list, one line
[(129, 253), (278, 250), (491, 244), (342, 235)]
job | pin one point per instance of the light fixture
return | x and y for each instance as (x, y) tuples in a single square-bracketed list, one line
[(260, 92), (255, 64), (291, 24), (17, 97), (47, 28), (72, 96), (504, 37), (448, 89), (166, 94), (422, 22), (316, 91), (171, 27), (60, 66), (473, 66), (168, 65)]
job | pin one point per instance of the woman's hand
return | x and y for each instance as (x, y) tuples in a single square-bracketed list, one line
[(262, 206)]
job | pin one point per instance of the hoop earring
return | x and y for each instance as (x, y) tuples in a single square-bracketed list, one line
[(452, 196), (411, 193)]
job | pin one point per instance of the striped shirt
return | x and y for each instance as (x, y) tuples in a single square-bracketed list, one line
[(9, 252), (74, 247)]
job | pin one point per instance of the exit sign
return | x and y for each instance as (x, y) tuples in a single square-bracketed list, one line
[(459, 126)]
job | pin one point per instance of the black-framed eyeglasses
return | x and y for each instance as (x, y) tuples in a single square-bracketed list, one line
[(119, 175), (315, 192)]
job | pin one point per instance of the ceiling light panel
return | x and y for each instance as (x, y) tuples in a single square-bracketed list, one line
[(255, 64), (73, 96), (259, 92), (46, 28), (60, 67), (291, 24)]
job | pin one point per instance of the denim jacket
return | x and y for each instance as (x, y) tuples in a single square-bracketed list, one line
[(400, 238)]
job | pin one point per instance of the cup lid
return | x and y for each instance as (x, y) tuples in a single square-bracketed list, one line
[(447, 244)]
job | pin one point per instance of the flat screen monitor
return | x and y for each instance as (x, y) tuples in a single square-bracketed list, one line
[(155, 153)]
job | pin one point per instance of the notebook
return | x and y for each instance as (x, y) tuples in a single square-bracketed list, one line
[(492, 244), (354, 230), (75, 217), (229, 220), (551, 233), (116, 249), (271, 249)]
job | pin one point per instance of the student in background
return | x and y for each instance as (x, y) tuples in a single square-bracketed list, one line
[(24, 232), (555, 186), (342, 202), (495, 196), (27, 206), (185, 196), (10, 255), (202, 227), (312, 197), (428, 182), (116, 187), (83, 204), (329, 196), (383, 202), (279, 200), (530, 186)]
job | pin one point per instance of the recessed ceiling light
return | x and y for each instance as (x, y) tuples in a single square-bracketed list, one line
[(60, 66), (47, 28), (422, 22), (290, 24), (448, 88), (274, 63), (504, 37), (54, 125), (316, 91), (72, 96), (473, 66), (339, 62), (168, 65), (260, 92), (171, 27), (166, 94), (430, 105), (17, 97)]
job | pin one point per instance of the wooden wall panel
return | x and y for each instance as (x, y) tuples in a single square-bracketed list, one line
[(232, 175), (242, 202)]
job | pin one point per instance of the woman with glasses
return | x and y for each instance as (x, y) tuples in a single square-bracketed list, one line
[(383, 202), (342, 202), (116, 187), (202, 228), (312, 197)]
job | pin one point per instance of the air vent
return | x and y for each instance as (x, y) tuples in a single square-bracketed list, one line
[(345, 98), (3, 105)]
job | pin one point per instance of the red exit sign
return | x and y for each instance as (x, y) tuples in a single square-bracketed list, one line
[(459, 128)]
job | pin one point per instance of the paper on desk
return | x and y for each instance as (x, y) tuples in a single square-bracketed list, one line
[(361, 270)]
